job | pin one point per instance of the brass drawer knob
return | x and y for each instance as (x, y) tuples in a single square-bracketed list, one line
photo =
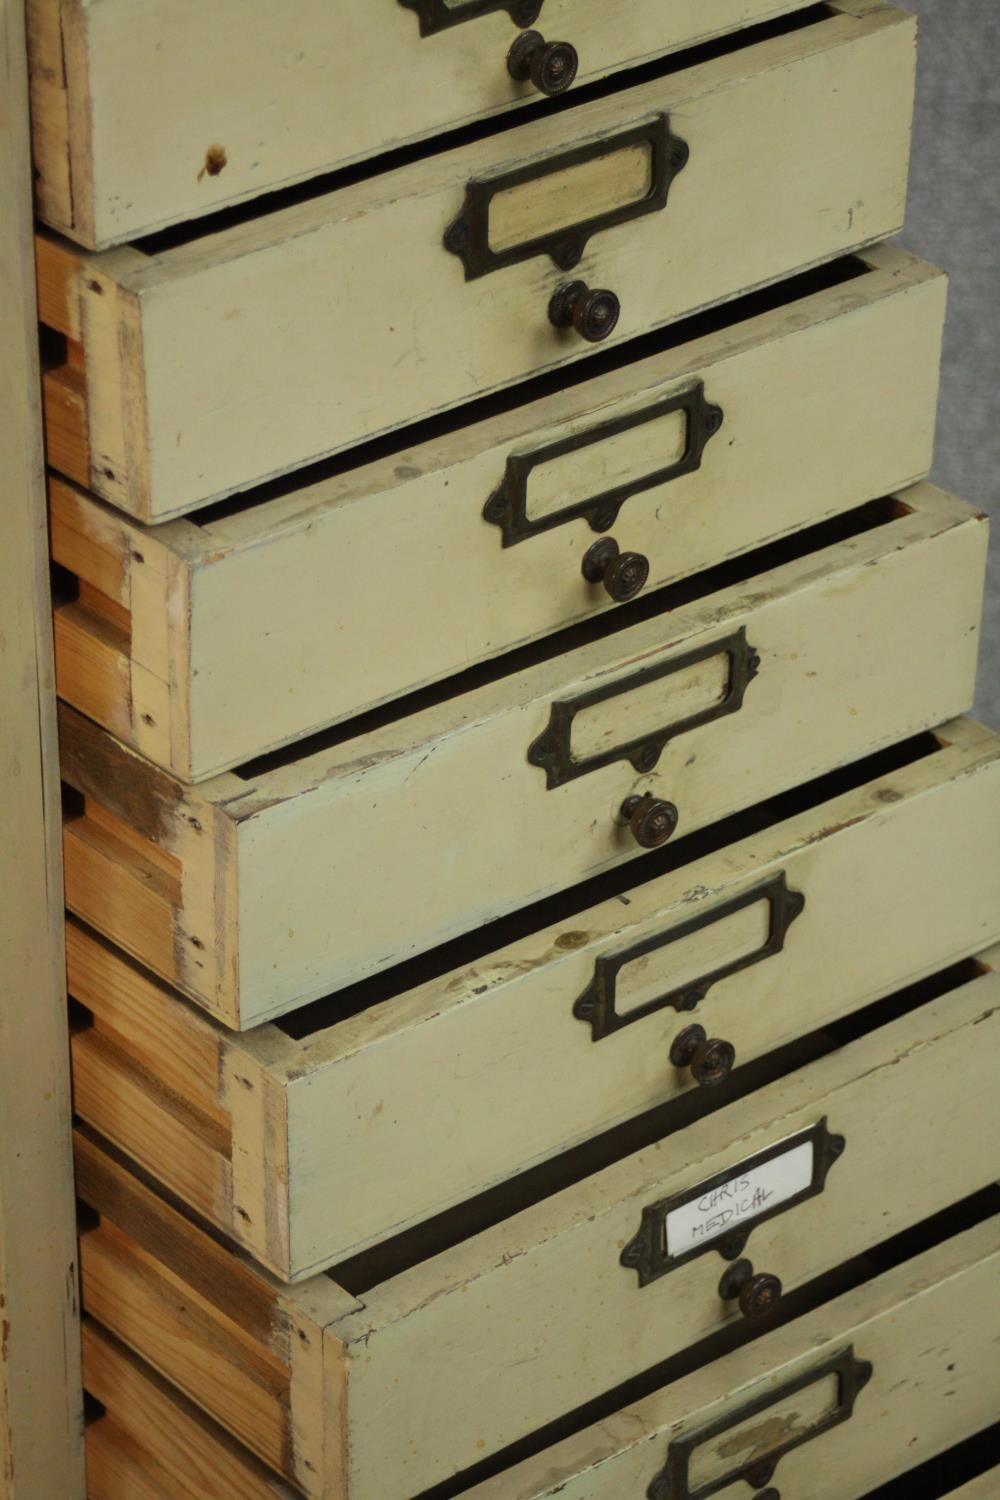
[(623, 574), (550, 66), (757, 1293), (709, 1058), (594, 314), (651, 820)]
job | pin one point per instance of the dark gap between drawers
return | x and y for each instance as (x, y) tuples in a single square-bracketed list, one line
[(665, 601), (466, 135), (614, 884), (939, 1477), (361, 1273), (847, 1277), (782, 294)]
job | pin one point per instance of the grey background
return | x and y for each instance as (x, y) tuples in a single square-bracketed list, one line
[(954, 221)]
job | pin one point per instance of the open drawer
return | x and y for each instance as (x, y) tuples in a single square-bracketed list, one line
[(196, 365)]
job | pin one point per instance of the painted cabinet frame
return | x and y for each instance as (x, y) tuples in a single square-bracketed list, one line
[(41, 1428)]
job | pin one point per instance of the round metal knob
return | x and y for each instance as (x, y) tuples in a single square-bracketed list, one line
[(651, 820), (710, 1059), (623, 574), (550, 66), (757, 1293), (594, 314)]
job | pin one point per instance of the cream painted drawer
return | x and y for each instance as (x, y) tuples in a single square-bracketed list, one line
[(857, 1393), (148, 1433), (460, 1355), (260, 890), (146, 115), (205, 642), (197, 368), (310, 1143), (986, 1487)]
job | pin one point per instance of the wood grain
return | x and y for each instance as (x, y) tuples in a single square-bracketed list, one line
[(152, 1444)]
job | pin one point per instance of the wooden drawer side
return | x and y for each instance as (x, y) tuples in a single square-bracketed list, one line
[(152, 1444), (122, 641), (216, 1329)]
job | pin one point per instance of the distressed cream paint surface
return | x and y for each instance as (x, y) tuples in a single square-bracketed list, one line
[(905, 867), (544, 1290), (287, 884), (245, 79), (271, 631), (212, 363), (986, 1487), (929, 1328), (41, 1451)]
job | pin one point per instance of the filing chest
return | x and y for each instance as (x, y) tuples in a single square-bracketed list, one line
[(571, 1296), (533, 897)]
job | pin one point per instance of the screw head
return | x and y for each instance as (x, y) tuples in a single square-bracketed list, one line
[(647, 758)]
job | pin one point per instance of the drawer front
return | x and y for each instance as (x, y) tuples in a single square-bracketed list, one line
[(983, 1488), (258, 892), (274, 106), (195, 672), (806, 1167), (311, 1146), (206, 365), (846, 1399)]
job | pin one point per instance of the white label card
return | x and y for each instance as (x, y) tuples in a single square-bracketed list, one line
[(742, 1197)]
